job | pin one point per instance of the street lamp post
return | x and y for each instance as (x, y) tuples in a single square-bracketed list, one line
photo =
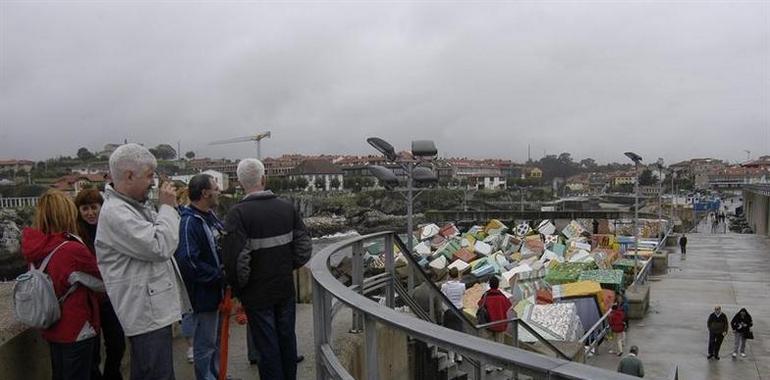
[(636, 159), (659, 164), (421, 150)]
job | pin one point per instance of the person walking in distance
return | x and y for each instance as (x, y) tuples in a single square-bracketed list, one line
[(198, 256), (135, 247), (683, 244), (265, 241), (717, 327), (631, 364)]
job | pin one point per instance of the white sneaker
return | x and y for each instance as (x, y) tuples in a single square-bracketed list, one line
[(190, 357), (743, 354), (734, 354)]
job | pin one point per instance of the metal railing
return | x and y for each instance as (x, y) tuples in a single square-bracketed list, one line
[(595, 335), (330, 295), (644, 274), (15, 202)]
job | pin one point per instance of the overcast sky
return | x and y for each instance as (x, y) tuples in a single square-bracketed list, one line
[(664, 79)]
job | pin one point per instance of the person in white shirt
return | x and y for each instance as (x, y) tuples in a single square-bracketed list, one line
[(454, 290)]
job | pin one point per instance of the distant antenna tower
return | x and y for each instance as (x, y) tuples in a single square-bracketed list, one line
[(257, 138), (529, 153)]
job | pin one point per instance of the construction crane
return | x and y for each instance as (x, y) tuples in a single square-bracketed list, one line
[(257, 138)]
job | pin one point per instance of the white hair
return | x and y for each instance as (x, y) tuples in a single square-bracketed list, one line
[(250, 172), (130, 157)]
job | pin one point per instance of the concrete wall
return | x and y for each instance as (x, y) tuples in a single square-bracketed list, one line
[(25, 356), (757, 209)]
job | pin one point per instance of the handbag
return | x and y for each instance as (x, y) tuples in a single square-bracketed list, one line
[(482, 315), (749, 335)]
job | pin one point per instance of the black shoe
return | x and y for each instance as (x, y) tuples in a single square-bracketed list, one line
[(716, 357), (710, 356), (300, 358)]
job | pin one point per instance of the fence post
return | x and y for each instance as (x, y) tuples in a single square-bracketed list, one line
[(321, 327), (370, 344), (358, 280), (389, 268)]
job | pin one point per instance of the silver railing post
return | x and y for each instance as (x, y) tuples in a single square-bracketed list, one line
[(321, 327), (389, 268), (358, 280), (370, 344)]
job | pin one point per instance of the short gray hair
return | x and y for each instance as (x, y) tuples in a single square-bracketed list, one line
[(130, 157), (250, 171)]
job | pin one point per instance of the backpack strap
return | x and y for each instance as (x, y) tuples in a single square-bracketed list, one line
[(44, 264)]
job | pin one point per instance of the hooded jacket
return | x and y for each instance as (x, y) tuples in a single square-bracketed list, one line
[(265, 240), (135, 250), (199, 258), (497, 307), (742, 324), (80, 310), (616, 320)]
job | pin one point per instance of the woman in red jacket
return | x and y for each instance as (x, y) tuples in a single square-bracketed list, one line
[(618, 326), (73, 337)]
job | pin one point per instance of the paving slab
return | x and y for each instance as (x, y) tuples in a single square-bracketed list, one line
[(732, 270)]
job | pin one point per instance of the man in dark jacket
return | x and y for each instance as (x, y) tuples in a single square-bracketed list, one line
[(717, 325), (199, 261), (265, 240), (683, 244)]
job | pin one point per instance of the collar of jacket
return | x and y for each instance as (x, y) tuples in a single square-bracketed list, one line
[(261, 194), (109, 191)]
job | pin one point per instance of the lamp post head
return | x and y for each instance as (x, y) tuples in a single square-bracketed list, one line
[(634, 157), (424, 176), (384, 175), (424, 149), (384, 147)]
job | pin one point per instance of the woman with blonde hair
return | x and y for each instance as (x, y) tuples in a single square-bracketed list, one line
[(70, 265)]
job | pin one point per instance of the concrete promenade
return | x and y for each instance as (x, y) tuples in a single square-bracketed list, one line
[(728, 269)]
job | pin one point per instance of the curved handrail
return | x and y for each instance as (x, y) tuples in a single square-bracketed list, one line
[(325, 286)]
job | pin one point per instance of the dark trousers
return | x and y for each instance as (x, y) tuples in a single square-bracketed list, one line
[(683, 248), (151, 355), (72, 360), (272, 330), (114, 345), (715, 342)]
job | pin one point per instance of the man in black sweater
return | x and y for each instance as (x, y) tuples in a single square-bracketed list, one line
[(717, 325), (265, 240)]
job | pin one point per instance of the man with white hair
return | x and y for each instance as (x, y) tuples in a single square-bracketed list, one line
[(265, 240), (135, 245)]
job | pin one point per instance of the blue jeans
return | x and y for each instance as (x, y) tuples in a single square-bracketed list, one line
[(151, 355), (206, 345), (72, 360), (272, 329)]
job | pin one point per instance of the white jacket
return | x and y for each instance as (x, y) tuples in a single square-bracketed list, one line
[(135, 251)]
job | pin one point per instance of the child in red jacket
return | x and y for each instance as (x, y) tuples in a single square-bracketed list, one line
[(497, 305), (618, 326)]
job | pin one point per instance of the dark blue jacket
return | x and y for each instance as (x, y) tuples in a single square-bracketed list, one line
[(265, 240), (198, 257)]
